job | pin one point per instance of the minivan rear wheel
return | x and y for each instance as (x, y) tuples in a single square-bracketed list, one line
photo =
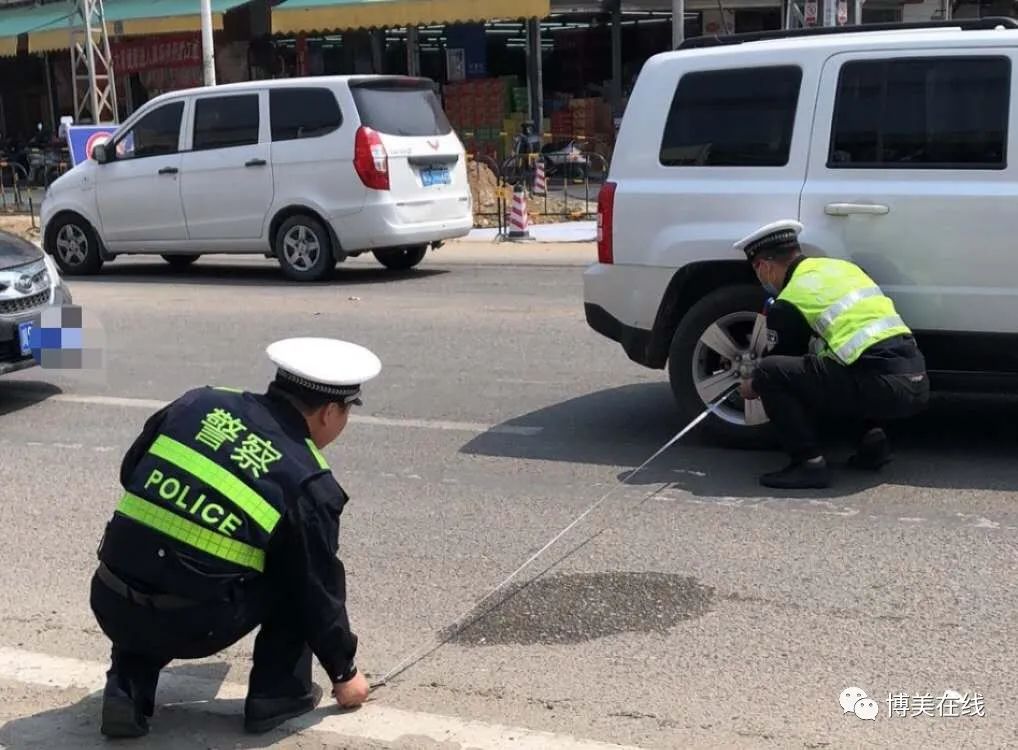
[(304, 250), (75, 247), (401, 259), (704, 360)]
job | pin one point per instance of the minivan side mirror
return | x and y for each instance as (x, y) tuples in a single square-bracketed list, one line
[(100, 154)]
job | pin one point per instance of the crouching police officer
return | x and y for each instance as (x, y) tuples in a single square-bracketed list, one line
[(230, 521), (868, 366)]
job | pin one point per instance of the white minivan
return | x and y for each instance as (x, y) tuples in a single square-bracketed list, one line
[(895, 148), (309, 171)]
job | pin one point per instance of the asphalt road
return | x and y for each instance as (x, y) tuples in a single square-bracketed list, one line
[(691, 609)]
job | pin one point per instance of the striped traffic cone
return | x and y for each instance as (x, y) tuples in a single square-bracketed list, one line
[(540, 183), (519, 221)]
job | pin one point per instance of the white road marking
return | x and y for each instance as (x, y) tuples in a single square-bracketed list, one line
[(426, 424), (62, 446), (373, 721), (435, 424)]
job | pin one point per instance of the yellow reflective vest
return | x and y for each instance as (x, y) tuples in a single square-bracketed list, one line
[(843, 306)]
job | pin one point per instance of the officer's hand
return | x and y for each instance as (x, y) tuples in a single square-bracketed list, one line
[(746, 390), (351, 693)]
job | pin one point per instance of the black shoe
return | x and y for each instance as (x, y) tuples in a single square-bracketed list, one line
[(799, 476), (122, 716), (873, 453), (264, 714)]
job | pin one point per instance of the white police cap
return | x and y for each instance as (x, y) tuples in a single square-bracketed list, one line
[(771, 235), (326, 366)]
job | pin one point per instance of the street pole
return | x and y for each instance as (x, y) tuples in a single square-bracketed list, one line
[(535, 77), (617, 60), (678, 22), (413, 51), (378, 50), (48, 70), (208, 54)]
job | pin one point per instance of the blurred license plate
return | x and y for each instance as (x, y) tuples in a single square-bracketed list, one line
[(25, 337), (435, 176)]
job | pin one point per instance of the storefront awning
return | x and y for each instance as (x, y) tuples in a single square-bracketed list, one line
[(135, 18), (323, 16), (17, 21)]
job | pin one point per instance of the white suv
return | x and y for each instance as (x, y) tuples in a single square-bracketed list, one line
[(306, 170), (896, 150)]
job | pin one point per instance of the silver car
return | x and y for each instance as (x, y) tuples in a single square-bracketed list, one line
[(29, 282)]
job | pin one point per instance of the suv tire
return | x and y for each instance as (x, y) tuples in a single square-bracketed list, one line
[(401, 259), (74, 246), (304, 249), (689, 361), (181, 261)]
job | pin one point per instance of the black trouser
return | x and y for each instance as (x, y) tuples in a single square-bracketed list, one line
[(146, 639), (798, 391)]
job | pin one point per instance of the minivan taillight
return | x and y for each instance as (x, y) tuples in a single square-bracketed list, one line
[(605, 215), (370, 159)]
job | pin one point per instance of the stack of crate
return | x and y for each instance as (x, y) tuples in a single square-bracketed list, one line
[(562, 124), (520, 99), (593, 125), (586, 117), (477, 110)]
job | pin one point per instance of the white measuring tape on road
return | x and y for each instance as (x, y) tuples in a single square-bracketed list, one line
[(458, 625)]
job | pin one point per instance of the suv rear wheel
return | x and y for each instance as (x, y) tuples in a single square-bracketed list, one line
[(402, 258), (75, 247), (706, 351), (181, 261), (304, 250)]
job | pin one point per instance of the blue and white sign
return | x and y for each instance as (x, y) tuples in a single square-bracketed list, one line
[(81, 139)]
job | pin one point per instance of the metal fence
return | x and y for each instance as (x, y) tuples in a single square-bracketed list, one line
[(559, 185), (562, 189), (21, 188)]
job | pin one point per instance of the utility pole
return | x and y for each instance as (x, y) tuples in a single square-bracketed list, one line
[(413, 51), (535, 78), (208, 53), (678, 22), (95, 91)]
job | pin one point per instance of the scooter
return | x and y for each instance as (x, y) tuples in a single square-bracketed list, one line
[(566, 156)]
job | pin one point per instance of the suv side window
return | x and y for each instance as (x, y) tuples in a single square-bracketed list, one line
[(155, 134), (732, 118), (303, 113), (922, 113), (226, 121)]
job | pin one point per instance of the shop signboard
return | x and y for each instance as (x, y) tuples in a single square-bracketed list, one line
[(472, 39), (82, 139), (156, 53)]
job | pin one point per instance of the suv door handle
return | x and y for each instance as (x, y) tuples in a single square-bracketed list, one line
[(848, 209), (168, 170), (255, 163)]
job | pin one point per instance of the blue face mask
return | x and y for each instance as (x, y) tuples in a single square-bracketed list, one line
[(771, 290)]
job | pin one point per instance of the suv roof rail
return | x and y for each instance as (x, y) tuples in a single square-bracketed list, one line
[(966, 24)]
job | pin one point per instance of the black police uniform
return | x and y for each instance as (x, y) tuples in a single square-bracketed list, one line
[(230, 521), (887, 382)]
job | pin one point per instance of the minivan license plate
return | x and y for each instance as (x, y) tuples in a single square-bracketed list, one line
[(435, 176), (25, 337)]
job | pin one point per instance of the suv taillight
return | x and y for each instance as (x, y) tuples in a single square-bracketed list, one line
[(370, 159), (605, 211)]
